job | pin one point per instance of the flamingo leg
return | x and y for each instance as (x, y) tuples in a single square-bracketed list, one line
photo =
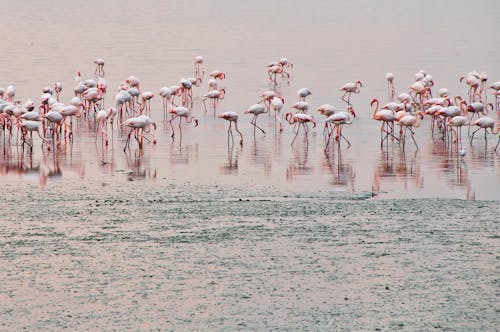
[(171, 126)]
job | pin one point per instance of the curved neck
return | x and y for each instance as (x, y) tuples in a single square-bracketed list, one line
[(376, 102)]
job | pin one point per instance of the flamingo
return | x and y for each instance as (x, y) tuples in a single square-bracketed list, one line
[(57, 89), (387, 117), (443, 92), (458, 122), (30, 126), (186, 92), (102, 122), (267, 96), (301, 119), (198, 66), (495, 86), (476, 108), (301, 106), (421, 89), (326, 110), (232, 117), (182, 112), (350, 88), (11, 93), (146, 102), (141, 124), (69, 111), (166, 95), (55, 118), (215, 95), (256, 110), (473, 82), (217, 74), (408, 122), (277, 104), (303, 93), (338, 120), (274, 70), (99, 70), (213, 84), (133, 82), (390, 85), (485, 123)]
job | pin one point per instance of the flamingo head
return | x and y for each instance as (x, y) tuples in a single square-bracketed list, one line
[(195, 121), (462, 78), (359, 82), (288, 115), (373, 101), (314, 122), (351, 110)]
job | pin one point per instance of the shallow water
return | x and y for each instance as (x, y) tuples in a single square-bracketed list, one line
[(192, 234)]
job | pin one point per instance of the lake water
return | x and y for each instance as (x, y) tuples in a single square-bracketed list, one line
[(192, 234)]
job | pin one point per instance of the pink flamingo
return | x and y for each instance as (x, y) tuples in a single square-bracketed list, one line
[(303, 93), (473, 83), (350, 88), (182, 112), (99, 70), (256, 110), (390, 85), (485, 123), (198, 66), (215, 95), (338, 120), (146, 102), (102, 123), (274, 70), (387, 117), (277, 104), (140, 125), (30, 126), (408, 122), (302, 119), (218, 74), (57, 89), (232, 117)]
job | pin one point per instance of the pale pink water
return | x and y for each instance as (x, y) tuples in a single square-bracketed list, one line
[(330, 44), (192, 235)]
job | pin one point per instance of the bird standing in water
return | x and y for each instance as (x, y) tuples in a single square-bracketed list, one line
[(232, 117)]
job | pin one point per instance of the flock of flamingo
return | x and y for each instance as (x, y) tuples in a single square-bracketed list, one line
[(52, 120)]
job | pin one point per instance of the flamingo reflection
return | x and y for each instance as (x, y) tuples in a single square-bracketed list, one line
[(231, 166), (298, 165), (138, 166), (343, 173), (396, 166)]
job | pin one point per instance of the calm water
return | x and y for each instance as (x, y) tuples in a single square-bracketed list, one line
[(330, 43), (189, 234)]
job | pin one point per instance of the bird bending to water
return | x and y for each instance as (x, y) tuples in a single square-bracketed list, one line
[(140, 125), (182, 112), (302, 119), (99, 70), (232, 117), (256, 110)]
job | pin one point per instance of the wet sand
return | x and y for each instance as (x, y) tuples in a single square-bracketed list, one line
[(137, 256)]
